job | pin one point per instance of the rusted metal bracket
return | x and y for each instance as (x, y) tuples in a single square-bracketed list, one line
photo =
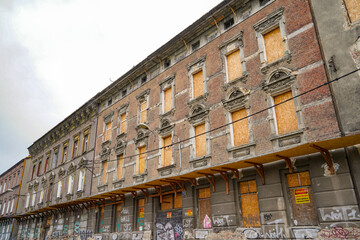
[(211, 178), (232, 10), (145, 191), (234, 171), (181, 184), (186, 44), (260, 169), (217, 26), (225, 176), (190, 180), (288, 163), (327, 157)]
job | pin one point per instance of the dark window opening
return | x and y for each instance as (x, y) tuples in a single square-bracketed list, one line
[(263, 2), (167, 62), (195, 45), (123, 93), (229, 23), (143, 79), (109, 101)]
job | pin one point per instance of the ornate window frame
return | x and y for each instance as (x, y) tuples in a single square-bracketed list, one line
[(142, 97), (123, 109), (168, 82), (166, 129), (108, 118), (270, 22), (280, 81), (193, 68), (230, 46)]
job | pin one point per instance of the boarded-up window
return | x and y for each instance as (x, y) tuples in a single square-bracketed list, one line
[(167, 100), (167, 152), (108, 131), (141, 160), (101, 219), (104, 172), (120, 160), (118, 218), (167, 202), (302, 200), (273, 45), (141, 214), (285, 114), (200, 141), (178, 201), (249, 204), (205, 208), (240, 128), (353, 9), (123, 123), (198, 84), (234, 65), (143, 112)]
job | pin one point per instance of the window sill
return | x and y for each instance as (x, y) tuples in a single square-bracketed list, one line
[(119, 183), (266, 66), (79, 193), (243, 79), (140, 177), (200, 161), (166, 170), (102, 188), (168, 113), (242, 150), (287, 139)]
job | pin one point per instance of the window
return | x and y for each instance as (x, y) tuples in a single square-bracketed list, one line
[(273, 45), (205, 208), (286, 120), (228, 23), (27, 200), (123, 93), (4, 189), (140, 166), (143, 79), (3, 210), (120, 161), (104, 172), (99, 227), (70, 184), (167, 151), (143, 111), (55, 158), (240, 128), (12, 205), (302, 200), (198, 84), (49, 192), (1, 186), (39, 169), (200, 141), (81, 180), (233, 63), (118, 218), (59, 189), (140, 214), (353, 9), (85, 141), (109, 102), (167, 62), (249, 204), (75, 147), (123, 123), (41, 198), (46, 166), (64, 155), (107, 131), (168, 103), (171, 202), (195, 45), (33, 198)]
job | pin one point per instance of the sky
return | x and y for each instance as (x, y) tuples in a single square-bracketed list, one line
[(55, 55)]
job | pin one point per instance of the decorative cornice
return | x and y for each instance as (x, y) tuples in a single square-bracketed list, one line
[(269, 20)]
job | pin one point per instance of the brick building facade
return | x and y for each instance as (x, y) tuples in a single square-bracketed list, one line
[(219, 129)]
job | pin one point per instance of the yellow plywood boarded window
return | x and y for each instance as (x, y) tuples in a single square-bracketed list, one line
[(198, 84), (143, 112), (273, 45), (141, 159), (123, 123), (353, 8), (249, 204), (240, 128), (178, 201), (108, 131), (204, 193), (167, 100), (167, 202), (200, 141), (285, 114), (104, 173), (298, 179), (167, 152), (234, 65), (120, 166)]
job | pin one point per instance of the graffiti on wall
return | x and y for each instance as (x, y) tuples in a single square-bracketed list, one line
[(340, 233), (344, 213), (169, 228), (77, 228), (275, 230), (221, 221), (304, 233)]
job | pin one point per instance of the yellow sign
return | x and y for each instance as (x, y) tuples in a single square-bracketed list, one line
[(168, 215), (302, 196), (189, 213)]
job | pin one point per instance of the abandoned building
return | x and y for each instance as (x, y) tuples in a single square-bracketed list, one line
[(232, 125)]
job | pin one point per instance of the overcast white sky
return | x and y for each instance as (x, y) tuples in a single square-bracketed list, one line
[(55, 55)]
